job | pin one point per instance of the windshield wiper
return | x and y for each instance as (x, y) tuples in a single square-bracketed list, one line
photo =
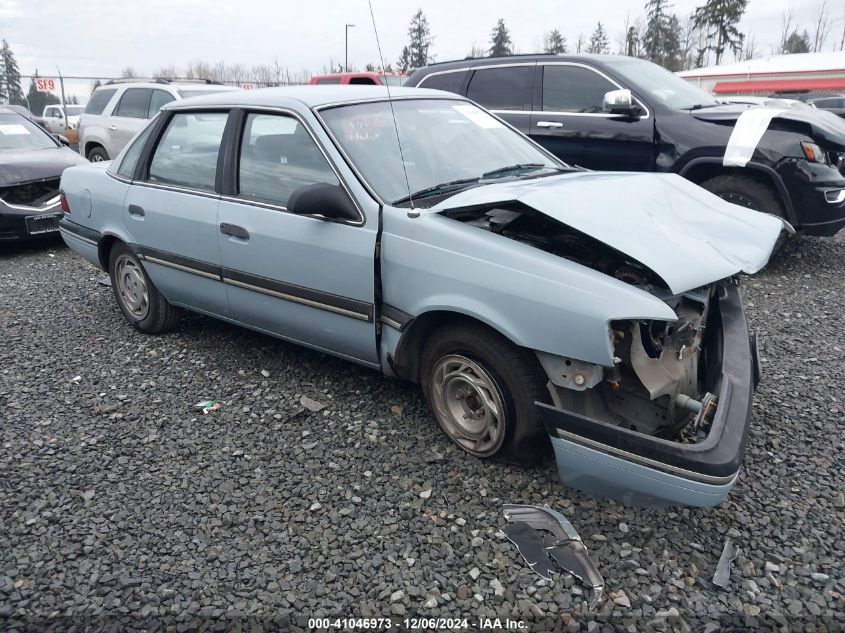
[(701, 106), (502, 171), (428, 191)]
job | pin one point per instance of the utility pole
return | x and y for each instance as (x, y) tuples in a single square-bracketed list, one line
[(62, 86), (346, 48)]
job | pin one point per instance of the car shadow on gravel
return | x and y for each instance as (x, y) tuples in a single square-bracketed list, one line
[(25, 247)]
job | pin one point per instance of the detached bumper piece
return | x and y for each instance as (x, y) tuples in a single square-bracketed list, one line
[(647, 471), (549, 543)]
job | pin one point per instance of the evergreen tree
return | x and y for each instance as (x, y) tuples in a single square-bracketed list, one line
[(632, 42), (796, 43), (554, 43), (599, 42), (11, 83), (500, 40), (672, 51), (416, 53), (719, 18), (656, 30)]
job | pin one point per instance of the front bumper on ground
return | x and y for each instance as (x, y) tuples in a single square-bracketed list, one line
[(19, 222), (643, 470)]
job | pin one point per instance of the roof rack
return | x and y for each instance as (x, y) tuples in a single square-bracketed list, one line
[(470, 58), (159, 80)]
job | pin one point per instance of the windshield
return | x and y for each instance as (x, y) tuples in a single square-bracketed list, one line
[(392, 80), (660, 84), (18, 133), (443, 140)]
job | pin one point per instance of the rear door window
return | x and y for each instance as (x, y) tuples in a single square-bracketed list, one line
[(329, 80), (158, 99), (451, 82), (506, 88), (278, 156), (135, 103), (99, 100), (130, 158), (186, 154), (573, 89)]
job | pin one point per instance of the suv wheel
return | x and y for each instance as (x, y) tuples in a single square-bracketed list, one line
[(749, 193), (142, 304), (482, 389), (97, 155)]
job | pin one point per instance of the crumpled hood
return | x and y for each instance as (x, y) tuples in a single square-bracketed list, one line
[(686, 235), (19, 166), (820, 125)]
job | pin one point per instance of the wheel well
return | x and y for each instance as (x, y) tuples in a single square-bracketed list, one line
[(406, 362), (91, 145), (106, 244), (705, 171)]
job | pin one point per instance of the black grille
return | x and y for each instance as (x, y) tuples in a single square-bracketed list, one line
[(31, 194)]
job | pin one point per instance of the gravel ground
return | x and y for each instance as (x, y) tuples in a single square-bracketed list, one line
[(122, 505)]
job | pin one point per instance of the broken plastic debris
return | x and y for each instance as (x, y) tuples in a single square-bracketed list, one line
[(311, 405), (265, 373), (208, 406), (722, 577), (104, 280), (548, 542)]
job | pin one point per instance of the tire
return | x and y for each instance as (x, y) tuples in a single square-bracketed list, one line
[(98, 154), (751, 194), (142, 305), (472, 370)]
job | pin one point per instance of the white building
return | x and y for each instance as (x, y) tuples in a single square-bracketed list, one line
[(801, 71)]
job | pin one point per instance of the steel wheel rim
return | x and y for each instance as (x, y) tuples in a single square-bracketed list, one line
[(97, 159), (131, 287), (469, 405)]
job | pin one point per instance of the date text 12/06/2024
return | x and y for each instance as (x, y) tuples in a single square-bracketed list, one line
[(412, 624)]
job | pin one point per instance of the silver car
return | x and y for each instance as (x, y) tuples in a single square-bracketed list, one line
[(532, 300), (118, 109)]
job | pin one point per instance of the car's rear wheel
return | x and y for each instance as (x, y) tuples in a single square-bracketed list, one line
[(97, 155), (749, 193), (481, 389), (139, 300)]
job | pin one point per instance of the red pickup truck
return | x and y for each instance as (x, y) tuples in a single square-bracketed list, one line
[(367, 78)]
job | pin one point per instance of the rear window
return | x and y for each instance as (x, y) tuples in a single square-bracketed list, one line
[(451, 82), (508, 88), (98, 101), (130, 157)]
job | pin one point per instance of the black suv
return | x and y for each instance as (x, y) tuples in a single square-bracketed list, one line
[(621, 113)]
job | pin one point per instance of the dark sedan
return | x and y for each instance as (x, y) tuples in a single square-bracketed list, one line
[(31, 164)]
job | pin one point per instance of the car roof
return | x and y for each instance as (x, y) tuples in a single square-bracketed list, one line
[(197, 86), (519, 59), (309, 96)]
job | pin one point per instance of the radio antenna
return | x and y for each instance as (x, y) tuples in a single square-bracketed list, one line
[(412, 212)]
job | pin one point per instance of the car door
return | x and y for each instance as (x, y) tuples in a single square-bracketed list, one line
[(171, 211), (129, 116), (301, 278), (507, 91), (571, 124), (54, 119)]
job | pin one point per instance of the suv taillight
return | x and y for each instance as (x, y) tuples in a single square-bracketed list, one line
[(63, 201)]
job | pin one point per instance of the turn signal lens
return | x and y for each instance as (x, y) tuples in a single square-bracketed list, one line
[(812, 152), (63, 201)]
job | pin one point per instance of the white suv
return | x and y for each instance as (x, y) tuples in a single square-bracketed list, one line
[(118, 109)]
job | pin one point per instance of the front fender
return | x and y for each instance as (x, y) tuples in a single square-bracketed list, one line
[(537, 300)]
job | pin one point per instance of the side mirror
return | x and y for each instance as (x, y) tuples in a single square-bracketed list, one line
[(620, 102), (63, 140), (323, 199)]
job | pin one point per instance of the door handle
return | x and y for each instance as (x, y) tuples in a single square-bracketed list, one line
[(112, 127), (234, 230), (549, 124), (134, 209)]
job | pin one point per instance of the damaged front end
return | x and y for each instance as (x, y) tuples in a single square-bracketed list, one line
[(668, 423), (29, 209)]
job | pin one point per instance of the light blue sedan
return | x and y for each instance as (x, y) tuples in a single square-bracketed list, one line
[(424, 237)]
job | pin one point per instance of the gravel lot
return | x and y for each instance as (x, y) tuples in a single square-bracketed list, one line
[(123, 505)]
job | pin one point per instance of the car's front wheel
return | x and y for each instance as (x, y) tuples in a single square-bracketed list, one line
[(482, 389), (139, 300), (97, 155)]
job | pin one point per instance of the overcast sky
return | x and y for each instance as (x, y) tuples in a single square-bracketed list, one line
[(100, 37)]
